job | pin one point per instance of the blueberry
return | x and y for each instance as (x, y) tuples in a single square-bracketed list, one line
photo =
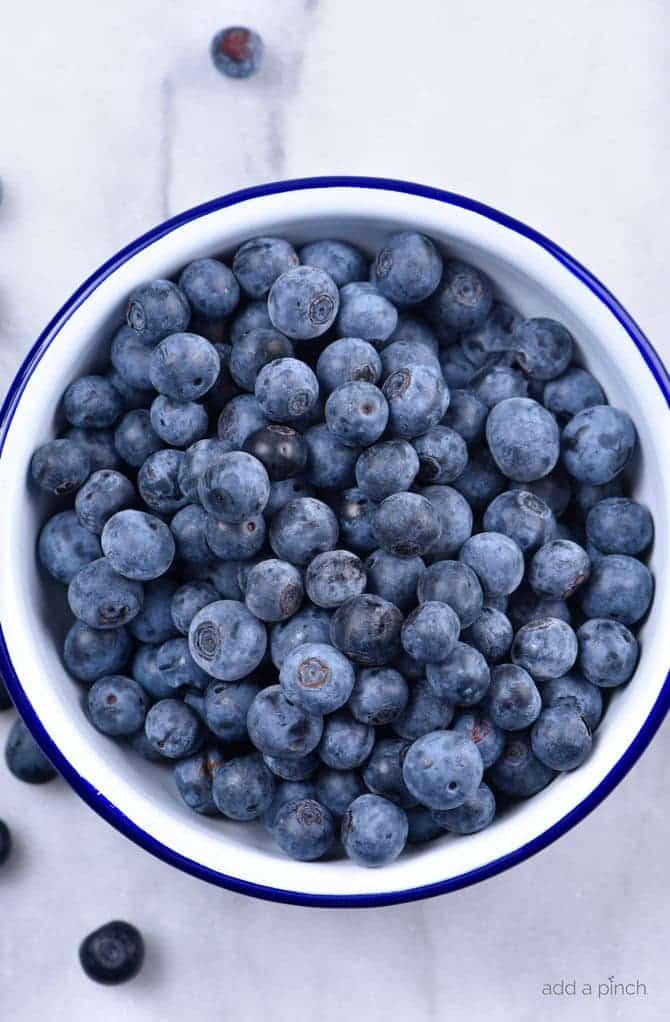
[(173, 729), (255, 349), (226, 640), (333, 577), (177, 667), (117, 705), (260, 261), (574, 691), (274, 590), (383, 772), (146, 673), (523, 438), (408, 268), (462, 677), (130, 358), (345, 743), (5, 842), (499, 383), (234, 487), (608, 652), (374, 831), (243, 788), (254, 315), (238, 53), (405, 525), (184, 366), (619, 525), (347, 359), (304, 829), (587, 495), (560, 738), (455, 583), (522, 516), (481, 481), (138, 545), (241, 418), (102, 598), (24, 758), (462, 300), (517, 771), (559, 569), (620, 587), (442, 769), (367, 630), (279, 728), (285, 490), (316, 677), (210, 287), (424, 712), (394, 578), (156, 310), (526, 606), (364, 312), (357, 413), (226, 707), (103, 493), (302, 529), (60, 466), (285, 389), (92, 401), (286, 791), (411, 328), (443, 455), (65, 546), (417, 400), (456, 368), (113, 953), (430, 632), (330, 463), (422, 826), (188, 529), (543, 348), (598, 443), (135, 438), (293, 768), (140, 745), (545, 647), (311, 624), (195, 460), (480, 729), (337, 789), (572, 392), (187, 601), (355, 515), (512, 701), (98, 444), (471, 816), (280, 448), (131, 397), (491, 634), (193, 777), (496, 560), (90, 653), (454, 515), (466, 414), (379, 696), (179, 423), (341, 261), (497, 333), (303, 302), (158, 481), (406, 354), (154, 622)]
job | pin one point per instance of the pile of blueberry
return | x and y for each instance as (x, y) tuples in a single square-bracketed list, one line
[(346, 544)]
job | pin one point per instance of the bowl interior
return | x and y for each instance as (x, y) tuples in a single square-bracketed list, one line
[(34, 613)]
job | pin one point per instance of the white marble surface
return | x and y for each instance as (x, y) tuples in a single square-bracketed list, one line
[(112, 118)]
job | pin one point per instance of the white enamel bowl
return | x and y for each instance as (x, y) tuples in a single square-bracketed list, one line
[(140, 800)]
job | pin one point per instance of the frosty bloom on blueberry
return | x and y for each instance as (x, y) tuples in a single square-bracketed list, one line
[(348, 542)]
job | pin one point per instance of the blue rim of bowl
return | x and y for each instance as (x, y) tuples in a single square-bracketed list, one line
[(94, 798)]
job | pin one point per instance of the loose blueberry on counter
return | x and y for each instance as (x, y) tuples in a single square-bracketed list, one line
[(138, 546), (226, 707), (620, 587), (462, 677), (608, 652), (471, 816), (334, 577), (442, 769), (117, 705), (113, 953), (517, 771), (302, 529), (60, 466), (303, 302), (65, 546), (304, 829), (574, 691), (364, 312), (559, 569), (367, 630), (279, 728), (408, 268), (310, 624), (24, 758), (425, 711), (274, 590), (193, 777), (480, 729), (317, 678), (417, 399), (383, 771), (462, 300), (455, 583), (513, 701), (345, 743), (598, 443), (243, 788), (92, 401), (173, 729), (430, 632), (374, 831), (546, 648), (560, 738), (226, 640)]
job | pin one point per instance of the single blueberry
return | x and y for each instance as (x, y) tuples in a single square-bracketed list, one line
[(158, 481), (102, 598), (481, 481), (138, 546), (405, 524), (188, 529), (394, 578), (154, 622), (462, 300), (90, 653), (560, 738), (254, 350), (496, 560), (184, 366), (442, 769), (355, 515), (303, 302), (187, 600), (316, 677), (455, 583), (60, 466), (347, 359), (430, 632), (417, 399), (135, 438), (608, 652), (543, 348), (258, 263), (156, 310), (24, 758), (379, 696), (559, 569), (517, 771), (337, 789), (408, 268), (545, 647), (374, 831), (466, 414), (243, 788), (302, 529), (280, 728), (193, 777), (454, 515), (364, 312), (274, 590), (113, 953), (367, 630), (234, 487), (92, 401), (210, 287), (498, 383), (330, 463), (480, 729), (65, 546), (345, 743), (443, 455), (620, 587), (471, 816), (425, 711), (572, 392), (304, 829), (463, 676), (226, 640), (598, 443), (173, 729), (618, 525), (523, 438), (357, 413), (117, 705), (383, 772), (574, 691), (491, 634), (513, 701), (311, 624), (524, 517), (226, 707)]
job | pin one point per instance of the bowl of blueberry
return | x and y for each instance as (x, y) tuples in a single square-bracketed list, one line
[(334, 531)]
